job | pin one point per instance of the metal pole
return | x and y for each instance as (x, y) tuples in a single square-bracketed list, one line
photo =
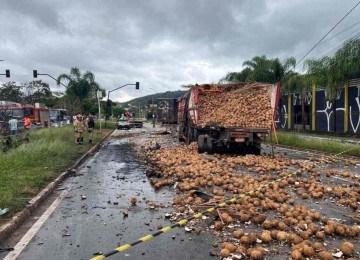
[(154, 116), (99, 113), (99, 93), (43, 74)]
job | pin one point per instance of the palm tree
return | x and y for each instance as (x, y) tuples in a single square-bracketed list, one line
[(297, 83), (262, 69), (79, 86), (332, 72)]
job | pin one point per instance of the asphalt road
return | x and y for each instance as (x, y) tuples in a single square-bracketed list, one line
[(81, 226)]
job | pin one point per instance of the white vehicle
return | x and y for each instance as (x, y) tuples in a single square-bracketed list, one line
[(123, 124)]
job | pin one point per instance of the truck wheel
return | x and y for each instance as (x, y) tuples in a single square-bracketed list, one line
[(254, 150), (201, 144), (209, 145), (189, 137)]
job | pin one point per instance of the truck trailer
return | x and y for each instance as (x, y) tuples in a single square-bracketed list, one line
[(167, 110), (232, 117)]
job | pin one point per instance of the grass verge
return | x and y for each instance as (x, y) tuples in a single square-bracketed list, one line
[(291, 139), (28, 168)]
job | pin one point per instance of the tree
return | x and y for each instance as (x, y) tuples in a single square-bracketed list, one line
[(262, 69), (300, 84), (11, 92), (36, 92), (79, 87), (241, 76), (118, 111)]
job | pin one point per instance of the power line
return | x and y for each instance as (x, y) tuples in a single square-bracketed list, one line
[(332, 37), (327, 33), (343, 41)]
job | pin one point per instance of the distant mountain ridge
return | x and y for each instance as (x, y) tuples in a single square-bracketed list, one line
[(146, 100)]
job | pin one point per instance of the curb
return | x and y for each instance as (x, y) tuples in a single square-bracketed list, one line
[(7, 229), (311, 151)]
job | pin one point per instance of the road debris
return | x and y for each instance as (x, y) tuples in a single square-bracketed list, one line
[(277, 207), (133, 201)]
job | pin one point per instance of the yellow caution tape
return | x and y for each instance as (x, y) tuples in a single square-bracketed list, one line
[(200, 214)]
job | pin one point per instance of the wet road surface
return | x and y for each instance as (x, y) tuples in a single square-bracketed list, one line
[(90, 217), (80, 227)]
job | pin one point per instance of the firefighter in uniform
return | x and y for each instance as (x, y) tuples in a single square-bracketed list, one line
[(79, 126)]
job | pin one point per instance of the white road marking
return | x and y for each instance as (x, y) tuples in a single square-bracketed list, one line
[(34, 229)]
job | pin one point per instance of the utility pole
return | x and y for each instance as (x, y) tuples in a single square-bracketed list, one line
[(99, 96)]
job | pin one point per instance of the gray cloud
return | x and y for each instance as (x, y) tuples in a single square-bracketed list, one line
[(161, 43)]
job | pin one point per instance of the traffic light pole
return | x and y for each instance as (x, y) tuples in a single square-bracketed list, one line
[(35, 74), (7, 73), (137, 84)]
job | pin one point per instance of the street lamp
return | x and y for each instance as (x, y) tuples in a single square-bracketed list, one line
[(137, 86)]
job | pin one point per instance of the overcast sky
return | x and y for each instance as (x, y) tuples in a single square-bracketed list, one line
[(162, 43)]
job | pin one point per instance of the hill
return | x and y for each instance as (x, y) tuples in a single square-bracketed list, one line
[(146, 100)]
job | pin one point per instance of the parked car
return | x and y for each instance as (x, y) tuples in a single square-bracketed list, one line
[(123, 124)]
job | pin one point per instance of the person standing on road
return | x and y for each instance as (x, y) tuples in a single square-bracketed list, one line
[(27, 123), (90, 127), (13, 126), (79, 126)]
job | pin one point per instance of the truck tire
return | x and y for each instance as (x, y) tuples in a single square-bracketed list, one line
[(189, 137), (254, 150), (209, 145), (201, 144)]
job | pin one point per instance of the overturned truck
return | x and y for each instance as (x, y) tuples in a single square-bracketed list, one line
[(231, 117)]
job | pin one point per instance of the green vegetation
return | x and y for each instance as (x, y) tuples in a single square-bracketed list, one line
[(28, 168), (80, 90), (292, 140), (107, 125), (262, 69)]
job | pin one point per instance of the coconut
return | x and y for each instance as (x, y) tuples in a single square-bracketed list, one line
[(282, 226), (133, 201), (281, 236), (267, 224), (255, 253), (318, 246), (259, 219), (241, 250), (266, 236), (218, 225), (347, 248), (252, 237), (296, 255), (340, 230), (308, 251), (224, 252), (329, 229), (295, 239), (320, 234), (244, 240), (231, 247), (325, 255), (238, 233)]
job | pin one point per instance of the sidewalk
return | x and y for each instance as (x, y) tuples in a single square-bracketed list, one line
[(349, 140)]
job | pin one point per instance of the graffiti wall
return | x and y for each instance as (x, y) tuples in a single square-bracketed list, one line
[(324, 115)]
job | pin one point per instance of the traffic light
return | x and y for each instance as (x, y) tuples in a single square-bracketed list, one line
[(137, 85), (7, 73), (108, 104), (35, 74)]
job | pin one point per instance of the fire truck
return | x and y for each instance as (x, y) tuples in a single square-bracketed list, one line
[(39, 115)]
